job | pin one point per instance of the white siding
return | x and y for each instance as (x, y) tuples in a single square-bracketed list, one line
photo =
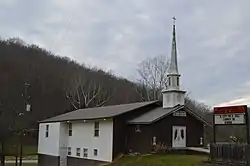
[(49, 145), (63, 143), (172, 98), (83, 137)]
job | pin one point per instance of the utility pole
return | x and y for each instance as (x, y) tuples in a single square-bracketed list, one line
[(27, 109)]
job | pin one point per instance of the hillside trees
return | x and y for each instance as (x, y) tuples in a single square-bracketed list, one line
[(57, 85), (54, 81)]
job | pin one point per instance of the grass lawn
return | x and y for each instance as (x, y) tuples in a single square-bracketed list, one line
[(154, 160), (29, 157), (27, 150), (160, 160)]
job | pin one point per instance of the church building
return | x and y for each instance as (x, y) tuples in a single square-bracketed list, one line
[(98, 135)]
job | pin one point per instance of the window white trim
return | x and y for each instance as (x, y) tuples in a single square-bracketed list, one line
[(47, 131), (85, 152), (78, 152), (95, 152), (69, 151), (70, 129), (96, 129)]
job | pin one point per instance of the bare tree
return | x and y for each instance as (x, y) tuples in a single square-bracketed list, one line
[(84, 93), (152, 73), (201, 107)]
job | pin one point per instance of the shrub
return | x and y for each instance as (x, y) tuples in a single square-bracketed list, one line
[(160, 148)]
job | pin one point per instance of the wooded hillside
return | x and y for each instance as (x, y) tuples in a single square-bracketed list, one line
[(56, 84)]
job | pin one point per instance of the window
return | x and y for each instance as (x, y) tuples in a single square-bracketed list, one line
[(95, 152), (47, 131), (96, 129), (78, 152), (85, 152), (70, 129), (169, 81), (69, 151), (137, 128), (178, 81)]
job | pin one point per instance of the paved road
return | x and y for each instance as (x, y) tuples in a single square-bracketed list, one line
[(24, 161)]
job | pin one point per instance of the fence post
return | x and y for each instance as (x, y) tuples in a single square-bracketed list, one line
[(212, 152), (247, 155)]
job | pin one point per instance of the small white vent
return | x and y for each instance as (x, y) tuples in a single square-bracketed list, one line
[(137, 128)]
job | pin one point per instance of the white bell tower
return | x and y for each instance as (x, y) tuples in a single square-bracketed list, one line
[(172, 94)]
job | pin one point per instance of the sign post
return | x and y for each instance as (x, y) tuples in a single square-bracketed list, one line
[(230, 115), (247, 127)]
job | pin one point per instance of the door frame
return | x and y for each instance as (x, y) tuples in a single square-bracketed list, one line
[(185, 138)]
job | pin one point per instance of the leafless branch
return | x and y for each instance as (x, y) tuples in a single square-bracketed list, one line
[(85, 93), (152, 73)]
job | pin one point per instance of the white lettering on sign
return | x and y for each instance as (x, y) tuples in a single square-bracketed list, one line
[(180, 113), (229, 119)]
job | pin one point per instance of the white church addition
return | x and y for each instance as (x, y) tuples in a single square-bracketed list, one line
[(172, 95)]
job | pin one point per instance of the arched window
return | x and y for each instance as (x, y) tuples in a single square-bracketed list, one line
[(169, 81), (178, 84)]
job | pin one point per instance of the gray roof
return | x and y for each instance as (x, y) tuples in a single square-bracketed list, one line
[(154, 115), (98, 112), (159, 112)]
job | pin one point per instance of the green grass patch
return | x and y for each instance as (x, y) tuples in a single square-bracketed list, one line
[(29, 164), (26, 157), (160, 160), (27, 150)]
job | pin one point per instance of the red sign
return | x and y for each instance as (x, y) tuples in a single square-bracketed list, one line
[(230, 109)]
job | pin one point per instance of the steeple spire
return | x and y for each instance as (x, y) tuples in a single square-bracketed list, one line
[(173, 95), (173, 69)]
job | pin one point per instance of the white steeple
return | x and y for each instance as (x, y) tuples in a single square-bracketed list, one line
[(172, 95)]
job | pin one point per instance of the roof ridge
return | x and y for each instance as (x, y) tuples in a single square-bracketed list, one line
[(98, 112), (117, 105)]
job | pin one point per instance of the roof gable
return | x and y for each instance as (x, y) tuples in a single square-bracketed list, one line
[(154, 115), (159, 113)]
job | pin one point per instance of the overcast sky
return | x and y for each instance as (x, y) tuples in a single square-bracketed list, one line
[(213, 38)]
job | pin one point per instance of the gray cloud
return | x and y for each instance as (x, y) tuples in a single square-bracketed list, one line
[(116, 35)]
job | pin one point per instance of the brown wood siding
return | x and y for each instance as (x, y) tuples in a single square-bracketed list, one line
[(119, 135), (73, 161), (139, 141), (162, 130), (120, 129), (47, 160)]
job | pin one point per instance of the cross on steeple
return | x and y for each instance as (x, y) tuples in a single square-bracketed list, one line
[(173, 69), (174, 19)]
